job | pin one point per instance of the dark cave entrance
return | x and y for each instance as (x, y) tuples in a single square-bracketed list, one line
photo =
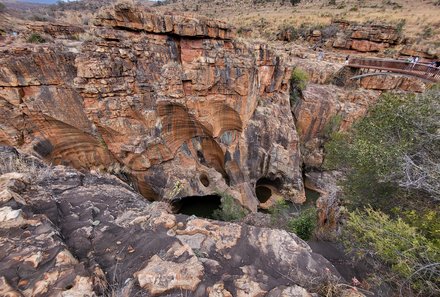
[(263, 193), (263, 188), (200, 206)]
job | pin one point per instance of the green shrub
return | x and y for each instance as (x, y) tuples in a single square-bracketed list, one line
[(299, 78), (2, 7), (393, 149), (412, 258), (400, 25), (36, 38), (230, 209), (279, 214), (298, 82), (304, 224), (332, 126), (427, 223)]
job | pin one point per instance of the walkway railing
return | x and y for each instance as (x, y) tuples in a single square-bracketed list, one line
[(419, 70)]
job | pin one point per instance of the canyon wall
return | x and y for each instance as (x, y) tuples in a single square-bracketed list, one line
[(171, 103)]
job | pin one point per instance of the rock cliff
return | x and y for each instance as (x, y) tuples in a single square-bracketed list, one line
[(66, 233), (366, 37), (171, 103)]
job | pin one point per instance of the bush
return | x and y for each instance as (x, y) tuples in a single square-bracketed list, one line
[(304, 224), (36, 38), (393, 149), (400, 25), (2, 7), (298, 83), (299, 78), (279, 214), (229, 210), (413, 258)]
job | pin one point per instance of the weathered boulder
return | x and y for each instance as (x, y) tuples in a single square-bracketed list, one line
[(55, 30), (389, 82), (319, 72), (83, 234), (420, 51), (367, 37), (169, 102)]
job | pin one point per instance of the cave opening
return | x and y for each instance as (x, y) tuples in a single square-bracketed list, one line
[(263, 193), (264, 187), (200, 206)]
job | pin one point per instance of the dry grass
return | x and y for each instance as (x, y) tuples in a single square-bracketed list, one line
[(421, 17)]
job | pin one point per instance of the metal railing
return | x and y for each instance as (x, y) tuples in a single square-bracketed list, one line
[(419, 70)]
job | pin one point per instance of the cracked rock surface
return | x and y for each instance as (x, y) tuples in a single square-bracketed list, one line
[(67, 233)]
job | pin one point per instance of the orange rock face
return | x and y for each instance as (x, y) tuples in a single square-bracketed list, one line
[(169, 102), (393, 82), (366, 37), (327, 108)]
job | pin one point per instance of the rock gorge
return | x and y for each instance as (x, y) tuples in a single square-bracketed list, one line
[(174, 104), (141, 106)]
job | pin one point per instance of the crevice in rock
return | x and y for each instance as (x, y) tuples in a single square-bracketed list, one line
[(200, 206)]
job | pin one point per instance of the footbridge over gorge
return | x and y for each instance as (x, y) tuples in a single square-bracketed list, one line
[(363, 67)]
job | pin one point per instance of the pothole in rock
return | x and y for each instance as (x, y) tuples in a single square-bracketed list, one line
[(204, 180), (264, 188), (311, 197), (263, 193), (200, 206)]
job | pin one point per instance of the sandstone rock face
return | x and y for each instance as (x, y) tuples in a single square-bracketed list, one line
[(389, 82), (319, 72), (421, 51), (365, 37), (169, 102), (326, 108), (56, 30), (75, 234)]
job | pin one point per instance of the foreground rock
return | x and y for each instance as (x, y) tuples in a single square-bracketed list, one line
[(169, 102), (64, 233)]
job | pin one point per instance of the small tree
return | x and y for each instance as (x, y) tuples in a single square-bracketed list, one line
[(304, 224), (36, 38)]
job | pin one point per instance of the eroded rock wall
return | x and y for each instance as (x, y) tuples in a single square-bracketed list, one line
[(161, 99), (366, 37)]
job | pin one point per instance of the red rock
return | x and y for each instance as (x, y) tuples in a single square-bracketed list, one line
[(160, 99)]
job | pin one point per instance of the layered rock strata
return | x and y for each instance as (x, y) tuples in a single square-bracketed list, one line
[(65, 233), (169, 102), (366, 37)]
